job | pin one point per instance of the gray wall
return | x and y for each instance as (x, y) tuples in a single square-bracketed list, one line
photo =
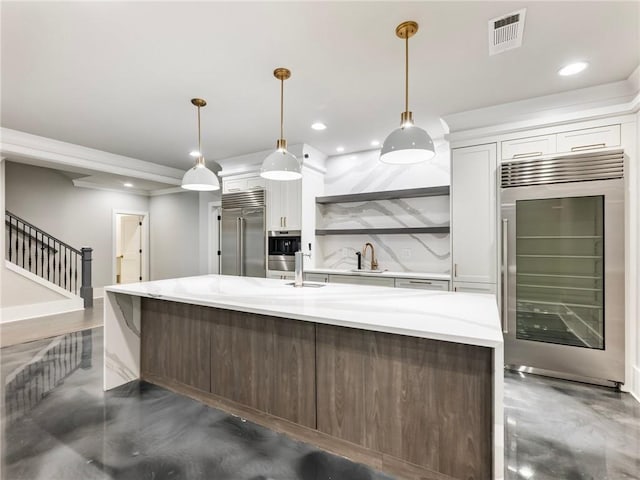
[(175, 235), (78, 216)]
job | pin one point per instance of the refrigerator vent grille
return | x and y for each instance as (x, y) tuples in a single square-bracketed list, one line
[(570, 168), (252, 198)]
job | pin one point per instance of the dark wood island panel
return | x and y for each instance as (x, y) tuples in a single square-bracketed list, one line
[(425, 401), (415, 407), (263, 362)]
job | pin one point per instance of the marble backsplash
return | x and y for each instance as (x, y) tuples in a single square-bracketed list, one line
[(423, 252)]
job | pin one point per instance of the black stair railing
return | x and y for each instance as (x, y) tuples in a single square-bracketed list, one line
[(48, 257)]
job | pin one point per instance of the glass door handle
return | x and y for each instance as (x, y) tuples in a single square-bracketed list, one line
[(505, 275)]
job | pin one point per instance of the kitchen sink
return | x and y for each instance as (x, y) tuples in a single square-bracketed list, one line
[(309, 284)]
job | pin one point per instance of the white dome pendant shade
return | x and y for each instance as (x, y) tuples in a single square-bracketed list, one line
[(199, 177), (407, 144), (281, 165)]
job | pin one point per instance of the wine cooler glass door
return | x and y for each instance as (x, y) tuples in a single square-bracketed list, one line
[(564, 280)]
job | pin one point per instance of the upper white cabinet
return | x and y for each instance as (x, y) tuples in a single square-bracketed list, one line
[(473, 213), (581, 140), (528, 147), (589, 139), (284, 205), (242, 183)]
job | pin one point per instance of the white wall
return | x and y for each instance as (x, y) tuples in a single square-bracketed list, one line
[(79, 217), (19, 290), (635, 276), (175, 236)]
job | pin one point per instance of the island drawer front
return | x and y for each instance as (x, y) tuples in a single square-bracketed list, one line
[(423, 284), (424, 401)]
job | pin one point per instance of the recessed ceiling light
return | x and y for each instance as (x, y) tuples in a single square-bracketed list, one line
[(375, 143), (572, 68), (194, 153), (339, 149), (319, 126), (129, 185)]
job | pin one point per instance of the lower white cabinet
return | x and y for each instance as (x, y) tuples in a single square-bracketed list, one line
[(281, 275), (470, 287), (361, 280), (441, 285), (317, 277)]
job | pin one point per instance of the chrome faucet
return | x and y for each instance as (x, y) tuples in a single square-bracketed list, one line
[(374, 262), (299, 268)]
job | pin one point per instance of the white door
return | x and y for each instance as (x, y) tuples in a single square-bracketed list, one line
[(130, 257)]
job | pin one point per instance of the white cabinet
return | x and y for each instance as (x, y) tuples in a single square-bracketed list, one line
[(589, 139), (473, 213), (528, 147), (581, 140), (280, 275), (361, 280), (242, 183), (317, 277), (284, 209), (423, 284), (474, 287)]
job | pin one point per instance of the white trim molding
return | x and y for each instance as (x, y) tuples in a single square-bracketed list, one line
[(42, 151)]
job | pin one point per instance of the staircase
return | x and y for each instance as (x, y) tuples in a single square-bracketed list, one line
[(42, 255)]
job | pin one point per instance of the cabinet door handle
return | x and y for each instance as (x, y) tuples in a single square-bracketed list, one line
[(235, 189), (455, 270), (285, 222), (455, 289), (527, 155), (505, 275), (587, 147), (423, 282)]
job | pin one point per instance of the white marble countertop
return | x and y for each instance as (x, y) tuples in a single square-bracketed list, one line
[(456, 317), (384, 273)]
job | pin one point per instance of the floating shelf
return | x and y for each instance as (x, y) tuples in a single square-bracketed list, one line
[(387, 195), (382, 231)]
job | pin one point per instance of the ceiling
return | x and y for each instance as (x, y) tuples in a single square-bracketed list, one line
[(118, 76)]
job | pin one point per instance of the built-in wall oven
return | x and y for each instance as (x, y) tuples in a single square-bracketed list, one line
[(282, 248), (563, 265)]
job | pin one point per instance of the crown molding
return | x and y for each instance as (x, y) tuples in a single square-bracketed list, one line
[(16, 145)]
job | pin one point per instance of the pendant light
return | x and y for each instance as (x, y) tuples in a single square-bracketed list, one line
[(281, 165), (199, 177), (407, 144)]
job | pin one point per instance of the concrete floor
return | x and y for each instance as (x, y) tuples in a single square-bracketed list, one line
[(58, 424)]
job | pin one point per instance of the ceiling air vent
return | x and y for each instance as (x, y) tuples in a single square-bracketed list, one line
[(505, 32)]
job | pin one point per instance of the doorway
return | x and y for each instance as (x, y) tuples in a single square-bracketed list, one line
[(130, 247)]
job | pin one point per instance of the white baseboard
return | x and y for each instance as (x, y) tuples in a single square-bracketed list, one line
[(98, 292), (635, 388), (22, 312)]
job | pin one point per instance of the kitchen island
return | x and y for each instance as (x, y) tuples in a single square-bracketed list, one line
[(407, 381)]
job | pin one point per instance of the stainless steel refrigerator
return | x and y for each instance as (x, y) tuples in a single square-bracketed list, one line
[(242, 234)]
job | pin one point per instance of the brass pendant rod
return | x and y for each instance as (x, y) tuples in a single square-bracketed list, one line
[(199, 138), (281, 108), (406, 74)]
